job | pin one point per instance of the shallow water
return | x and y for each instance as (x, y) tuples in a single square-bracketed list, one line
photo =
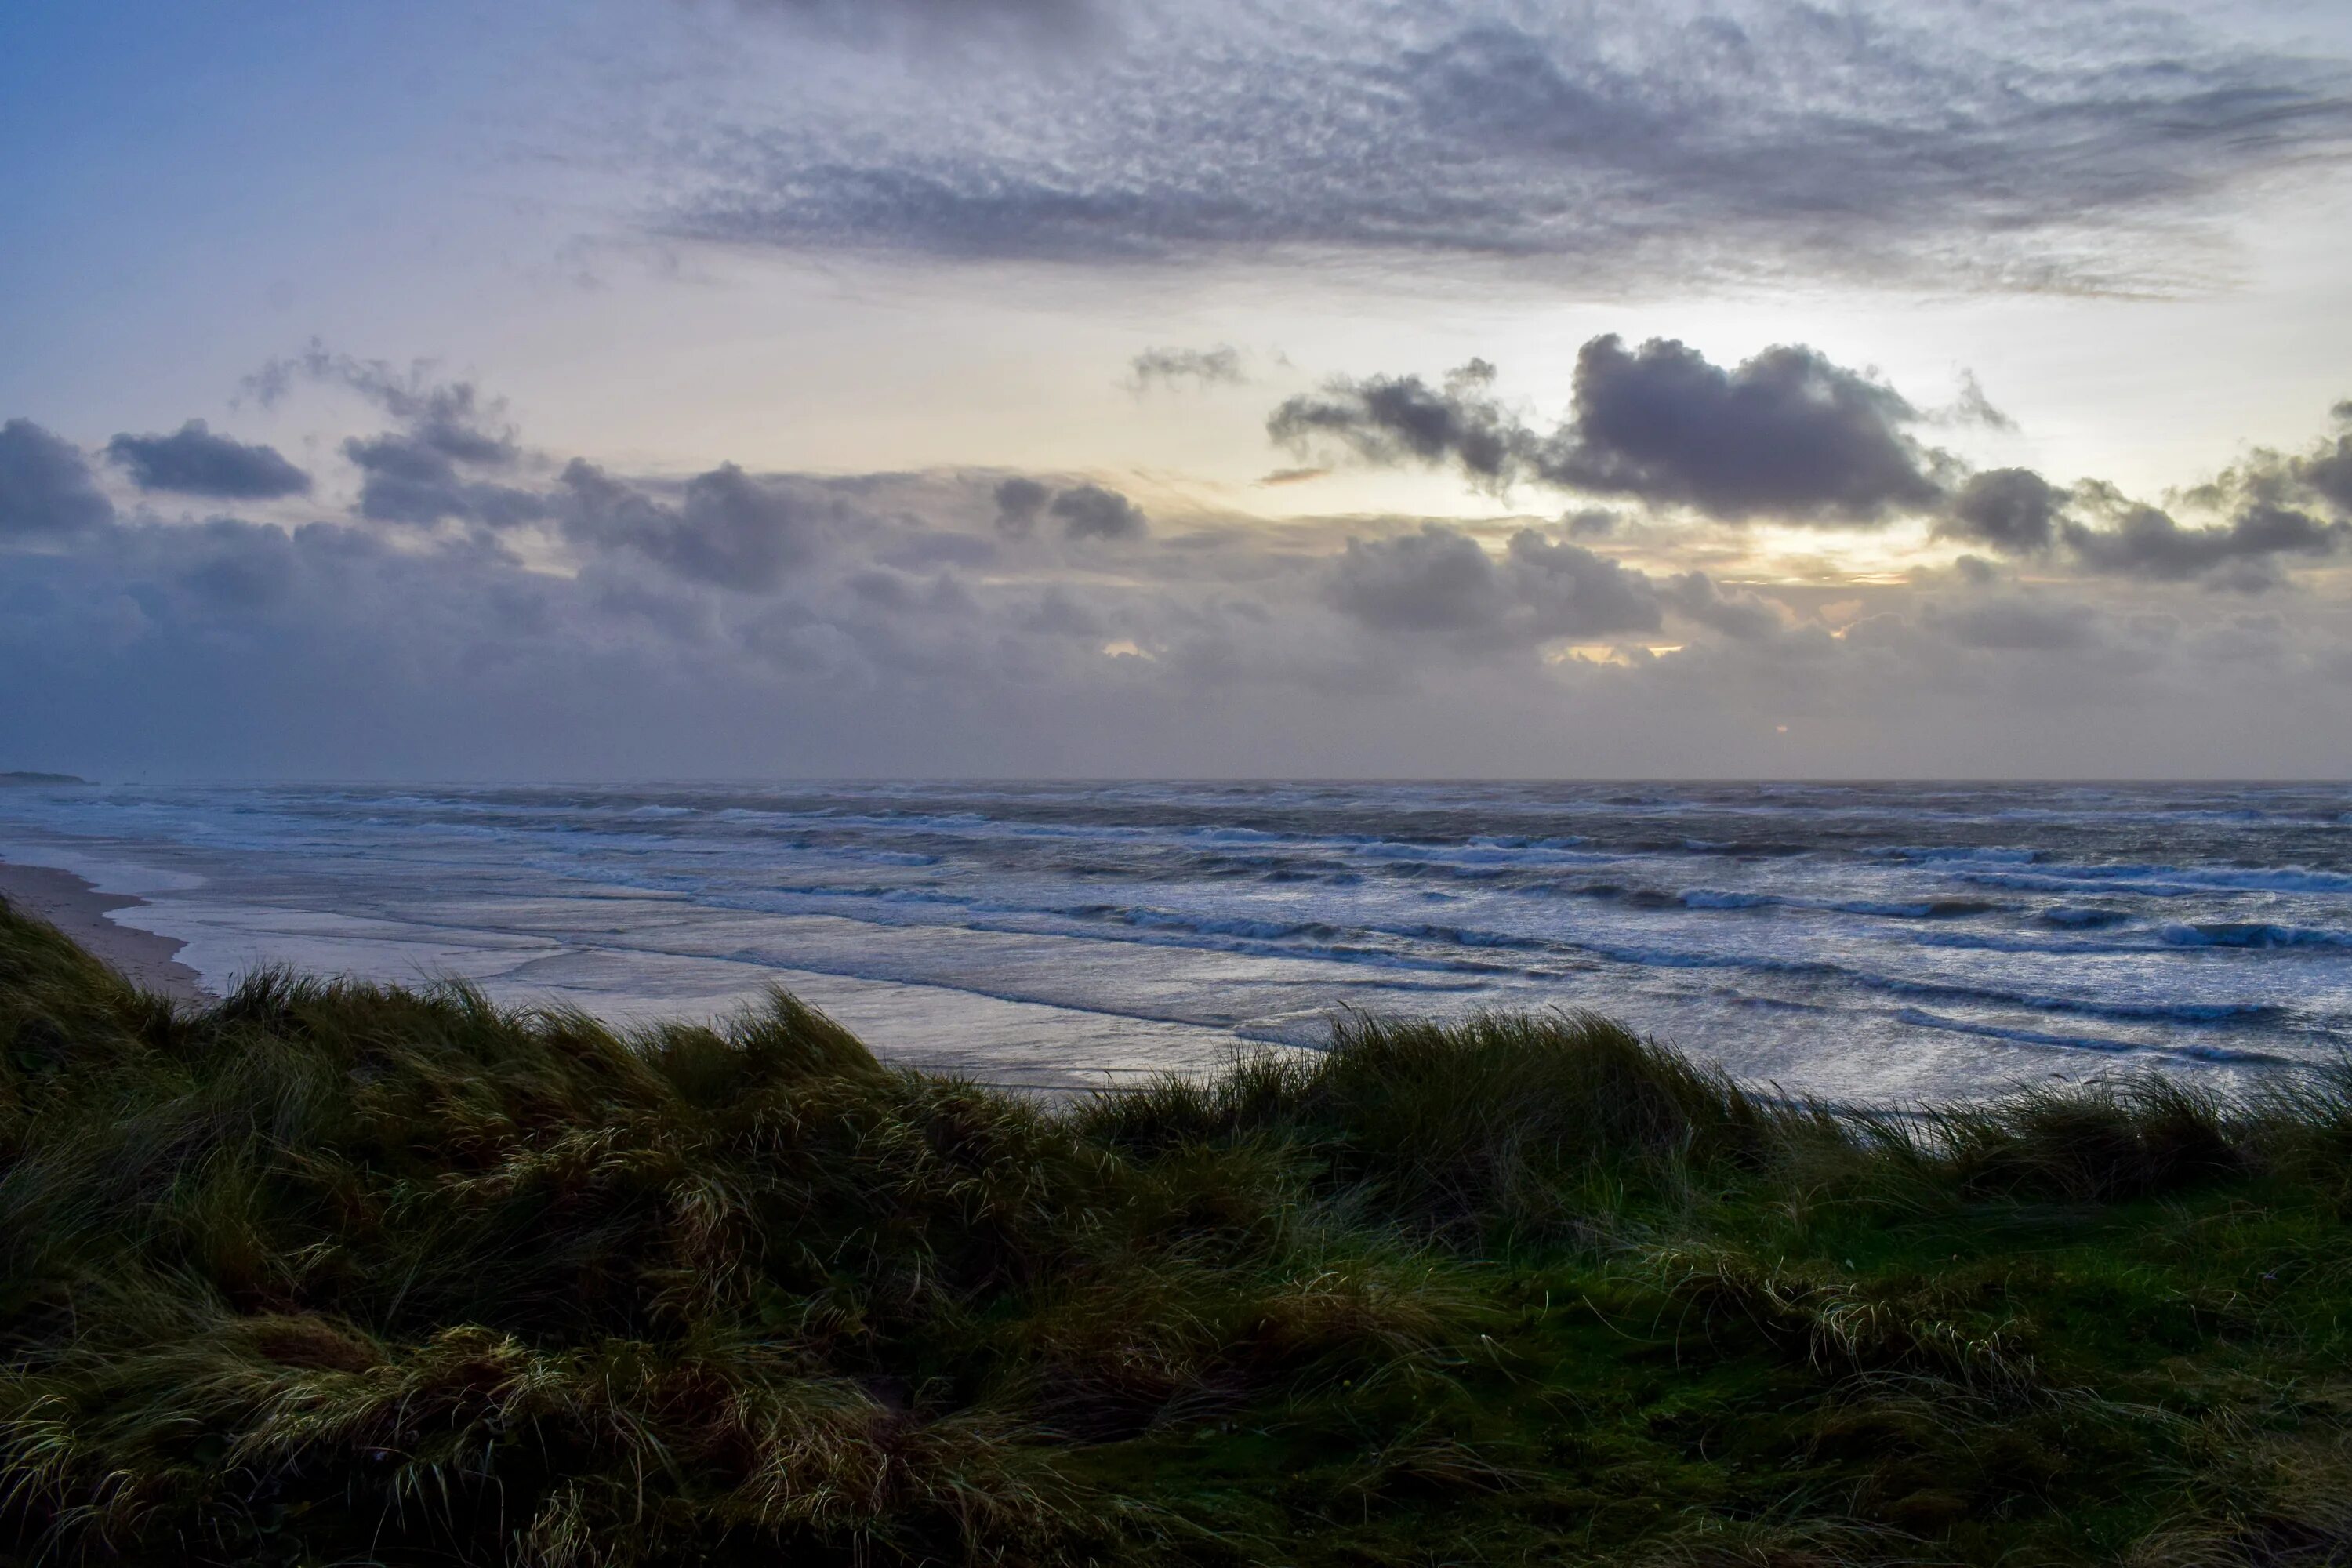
[(1859, 941)]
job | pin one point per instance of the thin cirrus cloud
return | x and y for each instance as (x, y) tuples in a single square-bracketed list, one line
[(2005, 147)]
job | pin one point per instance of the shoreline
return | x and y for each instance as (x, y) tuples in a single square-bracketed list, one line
[(70, 903)]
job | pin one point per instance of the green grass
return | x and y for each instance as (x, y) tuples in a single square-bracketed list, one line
[(334, 1273)]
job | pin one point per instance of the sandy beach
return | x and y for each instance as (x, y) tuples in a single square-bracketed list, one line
[(79, 911)]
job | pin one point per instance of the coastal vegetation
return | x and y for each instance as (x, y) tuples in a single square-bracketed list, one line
[(325, 1272)]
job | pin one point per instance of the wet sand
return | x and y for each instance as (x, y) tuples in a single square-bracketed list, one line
[(79, 911)]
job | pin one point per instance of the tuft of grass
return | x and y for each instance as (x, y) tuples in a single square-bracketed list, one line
[(325, 1272)]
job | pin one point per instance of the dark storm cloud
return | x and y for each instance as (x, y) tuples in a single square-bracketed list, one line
[(728, 529), (2013, 510), (1440, 580), (882, 625), (1085, 511), (45, 489), (1210, 367), (1393, 418), (193, 461), (411, 479), (1090, 512), (1018, 504), (2144, 542), (2022, 625), (2271, 510), (1741, 615), (1436, 579), (1787, 434), (2047, 147), (239, 565), (2328, 471)]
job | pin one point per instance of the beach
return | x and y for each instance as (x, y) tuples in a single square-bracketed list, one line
[(70, 903)]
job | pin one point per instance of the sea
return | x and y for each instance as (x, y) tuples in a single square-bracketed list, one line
[(1889, 944)]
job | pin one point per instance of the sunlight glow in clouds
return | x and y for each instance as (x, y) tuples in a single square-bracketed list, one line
[(1041, 386)]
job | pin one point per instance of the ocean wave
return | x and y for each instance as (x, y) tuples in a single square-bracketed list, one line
[(1921, 908), (1921, 1018), (1974, 854), (2256, 934), (2072, 917), (2167, 881)]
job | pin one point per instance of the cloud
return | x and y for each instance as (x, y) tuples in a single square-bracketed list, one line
[(2144, 542), (1221, 365), (2013, 510), (1787, 434), (1019, 501), (239, 565), (1624, 147), (921, 23), (450, 418), (1090, 512), (728, 530), (415, 480), (1741, 614), (1395, 418), (964, 620), (46, 491), (193, 461), (1973, 408), (2024, 625), (1440, 580), (2327, 471)]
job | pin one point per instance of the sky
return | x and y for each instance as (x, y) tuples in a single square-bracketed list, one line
[(780, 388)]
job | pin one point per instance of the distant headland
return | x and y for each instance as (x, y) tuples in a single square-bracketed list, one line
[(8, 779)]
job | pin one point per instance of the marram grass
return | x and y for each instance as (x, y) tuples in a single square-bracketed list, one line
[(334, 1273)]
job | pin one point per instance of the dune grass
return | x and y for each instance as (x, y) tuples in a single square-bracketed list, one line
[(335, 1273)]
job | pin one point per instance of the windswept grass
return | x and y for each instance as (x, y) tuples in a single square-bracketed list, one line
[(335, 1273)]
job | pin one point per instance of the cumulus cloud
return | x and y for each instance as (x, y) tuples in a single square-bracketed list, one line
[(45, 489), (415, 480), (2144, 542), (1086, 512), (2327, 471), (2013, 510), (1440, 580), (1788, 435), (193, 461), (2052, 146), (239, 566), (1019, 501), (1393, 418), (2025, 624), (1090, 512), (964, 620), (1740, 613), (727, 529), (1221, 365), (2269, 510)]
